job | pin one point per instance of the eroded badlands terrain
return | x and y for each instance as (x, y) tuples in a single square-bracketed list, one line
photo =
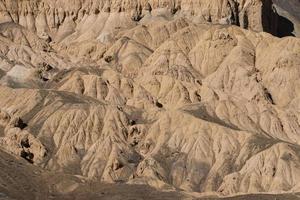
[(142, 99)]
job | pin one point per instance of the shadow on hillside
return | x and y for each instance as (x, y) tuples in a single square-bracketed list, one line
[(274, 23)]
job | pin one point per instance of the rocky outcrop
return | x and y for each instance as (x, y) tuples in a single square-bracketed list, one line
[(20, 142), (55, 20)]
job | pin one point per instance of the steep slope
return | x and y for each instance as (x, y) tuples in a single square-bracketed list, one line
[(166, 94), (58, 19)]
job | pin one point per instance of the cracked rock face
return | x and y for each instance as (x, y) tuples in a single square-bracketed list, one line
[(177, 95), (58, 19)]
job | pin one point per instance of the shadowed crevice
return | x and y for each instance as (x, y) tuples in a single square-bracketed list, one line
[(273, 23)]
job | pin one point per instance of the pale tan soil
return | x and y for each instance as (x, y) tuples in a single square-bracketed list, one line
[(148, 99)]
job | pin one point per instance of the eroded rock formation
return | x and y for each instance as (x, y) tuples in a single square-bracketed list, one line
[(165, 93)]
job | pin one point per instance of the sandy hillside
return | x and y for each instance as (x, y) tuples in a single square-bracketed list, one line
[(139, 99)]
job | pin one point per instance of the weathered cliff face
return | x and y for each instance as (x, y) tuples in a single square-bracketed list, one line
[(60, 18), (152, 92)]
